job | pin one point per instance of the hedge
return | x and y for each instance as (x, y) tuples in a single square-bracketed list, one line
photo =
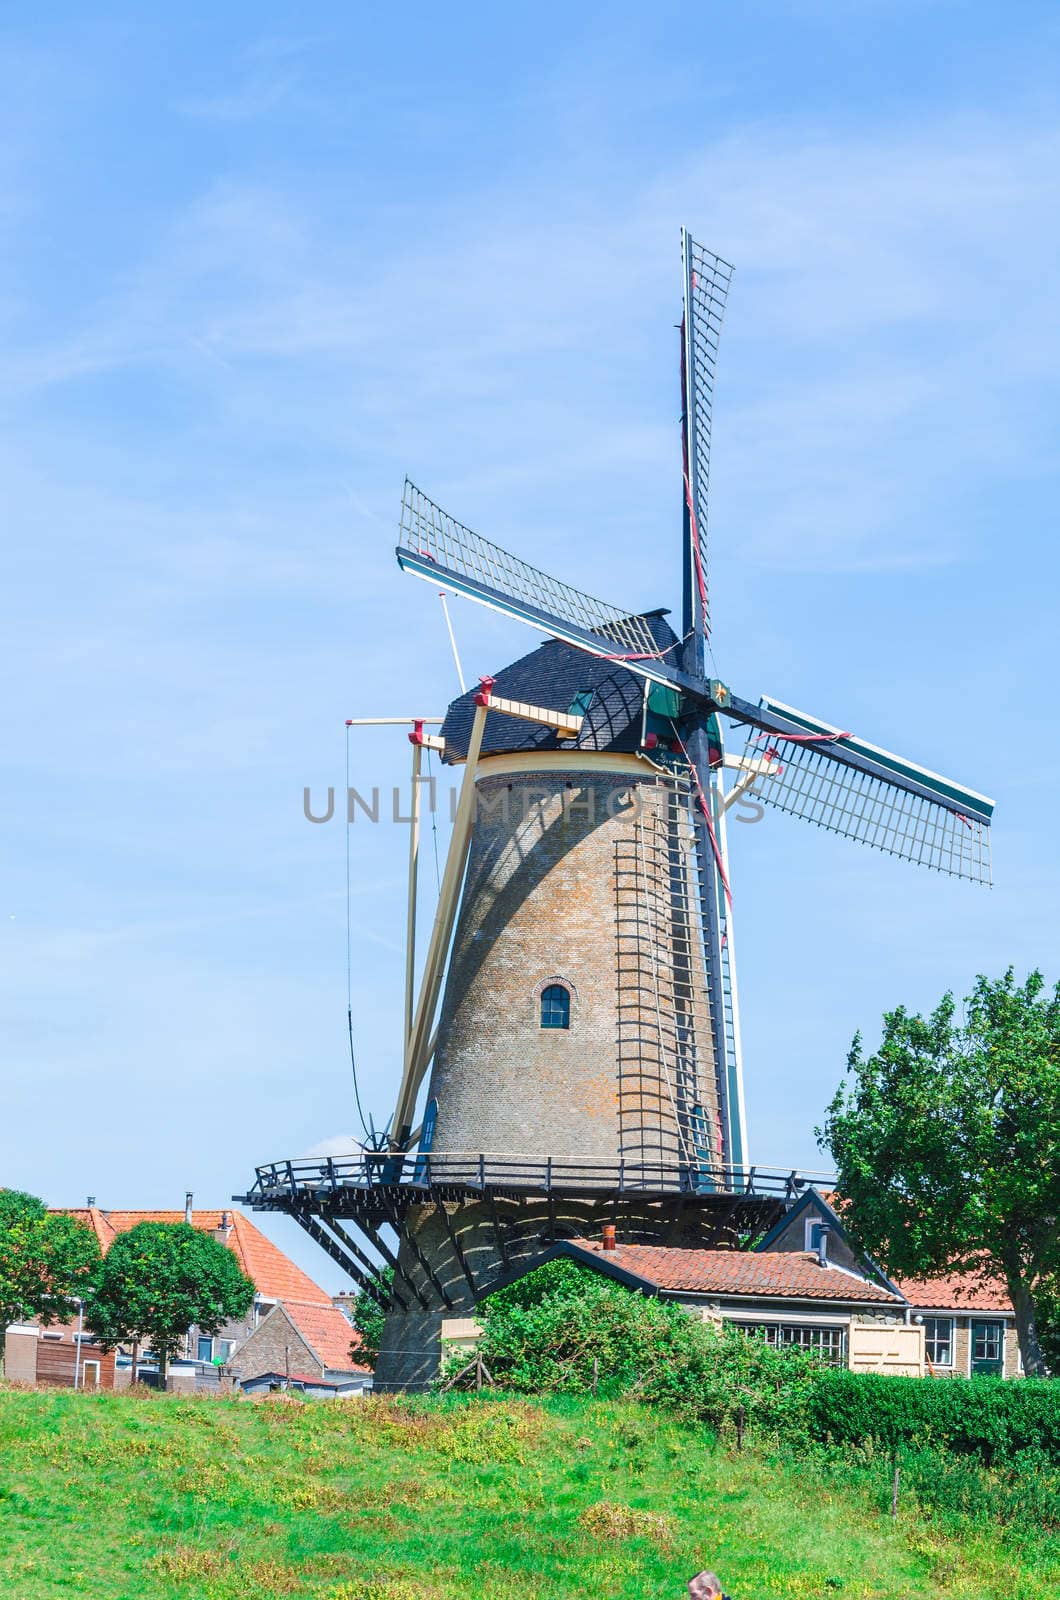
[(990, 1418)]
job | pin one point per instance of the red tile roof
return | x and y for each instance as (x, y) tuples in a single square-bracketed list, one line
[(327, 1333), (773, 1273), (956, 1292), (272, 1273)]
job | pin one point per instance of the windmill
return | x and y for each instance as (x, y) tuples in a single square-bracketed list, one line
[(577, 1012)]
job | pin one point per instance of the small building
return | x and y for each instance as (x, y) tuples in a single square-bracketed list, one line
[(301, 1337)]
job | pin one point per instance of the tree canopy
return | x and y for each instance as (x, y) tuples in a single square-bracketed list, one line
[(369, 1316), (47, 1259), (159, 1279), (946, 1142)]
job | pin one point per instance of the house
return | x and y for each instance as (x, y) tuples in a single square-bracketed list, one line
[(51, 1355), (969, 1324), (310, 1339), (806, 1284)]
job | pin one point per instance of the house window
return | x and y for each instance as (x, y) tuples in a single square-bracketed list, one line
[(828, 1342), (555, 1006), (938, 1341), (205, 1349), (90, 1375), (224, 1348)]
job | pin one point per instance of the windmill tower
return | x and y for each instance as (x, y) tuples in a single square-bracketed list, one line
[(574, 1050)]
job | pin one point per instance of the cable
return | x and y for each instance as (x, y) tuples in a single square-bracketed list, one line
[(452, 641), (349, 948)]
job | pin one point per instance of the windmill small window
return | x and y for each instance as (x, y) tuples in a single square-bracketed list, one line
[(555, 1006)]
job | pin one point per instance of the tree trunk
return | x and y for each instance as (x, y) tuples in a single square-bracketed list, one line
[(1026, 1327)]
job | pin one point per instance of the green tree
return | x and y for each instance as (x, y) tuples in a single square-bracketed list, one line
[(369, 1316), (946, 1141), (157, 1280), (47, 1259)]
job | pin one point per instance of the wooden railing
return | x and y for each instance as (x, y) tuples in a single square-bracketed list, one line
[(315, 1176)]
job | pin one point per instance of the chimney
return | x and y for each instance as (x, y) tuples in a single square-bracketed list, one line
[(188, 1198), (822, 1245), (224, 1229), (90, 1201), (609, 1236)]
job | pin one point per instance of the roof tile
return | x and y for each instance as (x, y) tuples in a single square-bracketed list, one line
[(773, 1273), (327, 1333), (272, 1273)]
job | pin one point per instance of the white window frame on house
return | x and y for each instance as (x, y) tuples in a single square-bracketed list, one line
[(52, 1338), (225, 1348), (85, 1365), (200, 1341), (949, 1339), (830, 1338)]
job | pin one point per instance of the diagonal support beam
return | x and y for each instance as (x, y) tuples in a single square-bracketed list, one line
[(343, 1237), (388, 1255), (457, 1248), (425, 1265)]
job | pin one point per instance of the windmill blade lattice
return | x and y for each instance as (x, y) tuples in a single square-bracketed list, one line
[(810, 783), (707, 280), (502, 580)]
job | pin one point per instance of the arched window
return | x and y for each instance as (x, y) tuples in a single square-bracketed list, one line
[(555, 1006)]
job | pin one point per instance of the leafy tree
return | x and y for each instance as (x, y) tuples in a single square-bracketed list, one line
[(46, 1261), (946, 1141), (369, 1316), (157, 1280)]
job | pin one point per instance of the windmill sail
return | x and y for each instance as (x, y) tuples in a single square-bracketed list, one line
[(826, 776), (437, 547), (707, 280)]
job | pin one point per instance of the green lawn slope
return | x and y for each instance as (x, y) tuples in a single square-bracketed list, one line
[(115, 1497)]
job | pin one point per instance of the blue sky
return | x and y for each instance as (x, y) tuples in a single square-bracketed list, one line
[(256, 265)]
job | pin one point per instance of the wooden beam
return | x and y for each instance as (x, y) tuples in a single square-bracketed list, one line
[(426, 1268), (414, 862), (441, 933), (457, 1250), (564, 723), (391, 1260)]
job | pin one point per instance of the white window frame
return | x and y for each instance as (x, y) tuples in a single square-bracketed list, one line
[(199, 1342), (85, 1365), (943, 1366), (772, 1330)]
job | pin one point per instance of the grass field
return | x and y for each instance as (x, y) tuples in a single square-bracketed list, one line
[(121, 1496)]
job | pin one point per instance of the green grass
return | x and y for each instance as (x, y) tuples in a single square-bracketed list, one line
[(122, 1496)]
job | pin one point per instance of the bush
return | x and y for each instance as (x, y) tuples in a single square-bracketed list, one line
[(562, 1327), (989, 1418)]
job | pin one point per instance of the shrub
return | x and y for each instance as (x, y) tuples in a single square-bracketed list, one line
[(562, 1327), (989, 1418)]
